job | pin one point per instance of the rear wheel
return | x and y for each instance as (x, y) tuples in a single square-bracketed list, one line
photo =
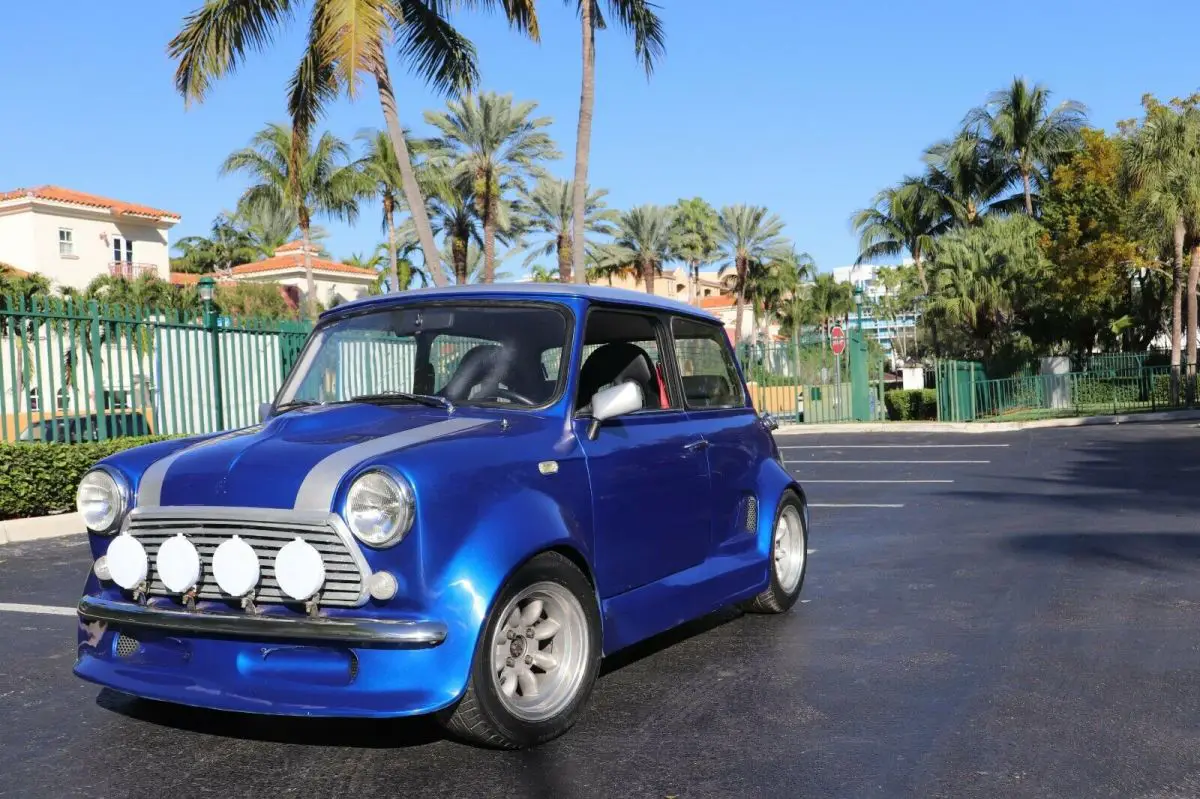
[(536, 660), (789, 558)]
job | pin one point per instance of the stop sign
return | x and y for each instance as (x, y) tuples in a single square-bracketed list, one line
[(837, 340)]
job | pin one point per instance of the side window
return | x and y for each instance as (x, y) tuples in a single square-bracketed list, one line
[(710, 379), (619, 347)]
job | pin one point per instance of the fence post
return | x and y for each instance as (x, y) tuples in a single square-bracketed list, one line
[(210, 321), (97, 377)]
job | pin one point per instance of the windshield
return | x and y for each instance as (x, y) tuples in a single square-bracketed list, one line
[(468, 354)]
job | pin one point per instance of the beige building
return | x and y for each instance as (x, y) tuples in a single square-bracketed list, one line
[(335, 282), (72, 237), (673, 284)]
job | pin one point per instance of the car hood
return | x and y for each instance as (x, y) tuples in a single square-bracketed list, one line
[(296, 460)]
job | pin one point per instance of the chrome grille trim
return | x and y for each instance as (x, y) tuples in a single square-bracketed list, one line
[(266, 530)]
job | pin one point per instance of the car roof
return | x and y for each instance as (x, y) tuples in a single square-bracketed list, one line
[(548, 291)]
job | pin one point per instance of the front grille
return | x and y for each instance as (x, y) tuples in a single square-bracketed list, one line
[(266, 532)]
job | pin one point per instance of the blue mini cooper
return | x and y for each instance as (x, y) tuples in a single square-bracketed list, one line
[(460, 501)]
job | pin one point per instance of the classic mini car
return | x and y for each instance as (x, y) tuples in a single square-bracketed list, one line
[(460, 500)]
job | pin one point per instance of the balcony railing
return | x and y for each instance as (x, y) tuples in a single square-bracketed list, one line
[(130, 270)]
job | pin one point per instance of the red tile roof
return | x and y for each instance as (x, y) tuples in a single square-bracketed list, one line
[(191, 279), (716, 302), (59, 194), (293, 261)]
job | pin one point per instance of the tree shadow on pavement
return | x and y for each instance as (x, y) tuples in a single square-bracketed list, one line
[(1128, 469), (1165, 552)]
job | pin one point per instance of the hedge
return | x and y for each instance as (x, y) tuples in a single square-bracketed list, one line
[(39, 479), (906, 405)]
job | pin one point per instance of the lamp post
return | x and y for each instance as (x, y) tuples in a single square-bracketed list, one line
[(207, 288), (858, 303)]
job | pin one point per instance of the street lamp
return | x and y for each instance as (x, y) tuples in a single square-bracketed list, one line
[(858, 303), (207, 289)]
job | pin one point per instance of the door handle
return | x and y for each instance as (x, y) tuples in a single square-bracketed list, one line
[(696, 446)]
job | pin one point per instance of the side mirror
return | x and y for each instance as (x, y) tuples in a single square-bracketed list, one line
[(264, 411), (615, 401), (769, 421)]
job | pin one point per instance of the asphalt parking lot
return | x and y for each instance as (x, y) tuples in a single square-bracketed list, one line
[(1011, 614)]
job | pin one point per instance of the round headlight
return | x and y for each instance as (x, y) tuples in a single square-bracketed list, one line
[(379, 508), (100, 500)]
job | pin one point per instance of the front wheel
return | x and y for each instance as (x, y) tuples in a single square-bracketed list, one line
[(789, 558), (536, 660)]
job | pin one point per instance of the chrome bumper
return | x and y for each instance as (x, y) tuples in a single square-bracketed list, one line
[(350, 632)]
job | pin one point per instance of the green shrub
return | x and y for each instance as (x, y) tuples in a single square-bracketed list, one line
[(911, 404), (1119, 391), (38, 479)]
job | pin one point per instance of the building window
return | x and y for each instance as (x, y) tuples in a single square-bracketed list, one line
[(66, 245), (125, 256)]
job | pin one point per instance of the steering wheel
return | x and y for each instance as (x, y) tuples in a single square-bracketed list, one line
[(508, 394)]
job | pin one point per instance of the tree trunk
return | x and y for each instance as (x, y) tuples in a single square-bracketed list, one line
[(740, 300), (389, 210), (1177, 307), (408, 178), (489, 234), (563, 247), (583, 141), (310, 284), (1028, 193), (458, 252), (920, 267), (691, 273), (648, 275), (1193, 277)]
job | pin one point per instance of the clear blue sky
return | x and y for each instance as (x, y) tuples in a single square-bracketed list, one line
[(808, 108)]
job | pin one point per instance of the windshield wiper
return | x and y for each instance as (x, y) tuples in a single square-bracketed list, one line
[(294, 404), (383, 397)]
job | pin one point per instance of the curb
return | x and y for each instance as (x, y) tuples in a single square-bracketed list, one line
[(792, 428), (16, 531)]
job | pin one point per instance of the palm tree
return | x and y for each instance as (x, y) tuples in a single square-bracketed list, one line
[(641, 242), (549, 212), (268, 228), (378, 163), (902, 218), (829, 301), (773, 285), (495, 146), (968, 179), (638, 17), (1161, 164), (310, 178), (540, 274), (1027, 135), (749, 235), (694, 237), (452, 211), (346, 40), (226, 246), (474, 261)]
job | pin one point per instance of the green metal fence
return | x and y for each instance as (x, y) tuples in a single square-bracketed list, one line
[(1122, 389), (807, 382), (81, 371)]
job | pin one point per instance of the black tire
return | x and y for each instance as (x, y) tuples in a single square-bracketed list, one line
[(480, 716), (774, 599)]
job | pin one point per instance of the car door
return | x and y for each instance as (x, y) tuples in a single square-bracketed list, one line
[(719, 411), (648, 469)]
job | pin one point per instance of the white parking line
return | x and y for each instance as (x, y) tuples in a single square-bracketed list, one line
[(877, 481), (46, 610), (854, 461), (851, 505), (888, 446)]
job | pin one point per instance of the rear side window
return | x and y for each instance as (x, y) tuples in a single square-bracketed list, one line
[(710, 379)]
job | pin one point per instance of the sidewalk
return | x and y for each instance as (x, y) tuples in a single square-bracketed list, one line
[(792, 428), (15, 531)]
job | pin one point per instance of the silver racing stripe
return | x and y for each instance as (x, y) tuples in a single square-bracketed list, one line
[(317, 490), (149, 493)]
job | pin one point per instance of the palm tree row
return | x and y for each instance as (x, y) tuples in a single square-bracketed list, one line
[(348, 40)]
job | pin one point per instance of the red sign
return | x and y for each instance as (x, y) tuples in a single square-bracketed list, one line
[(837, 340)]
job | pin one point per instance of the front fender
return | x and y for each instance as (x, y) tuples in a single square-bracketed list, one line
[(510, 533), (772, 481)]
